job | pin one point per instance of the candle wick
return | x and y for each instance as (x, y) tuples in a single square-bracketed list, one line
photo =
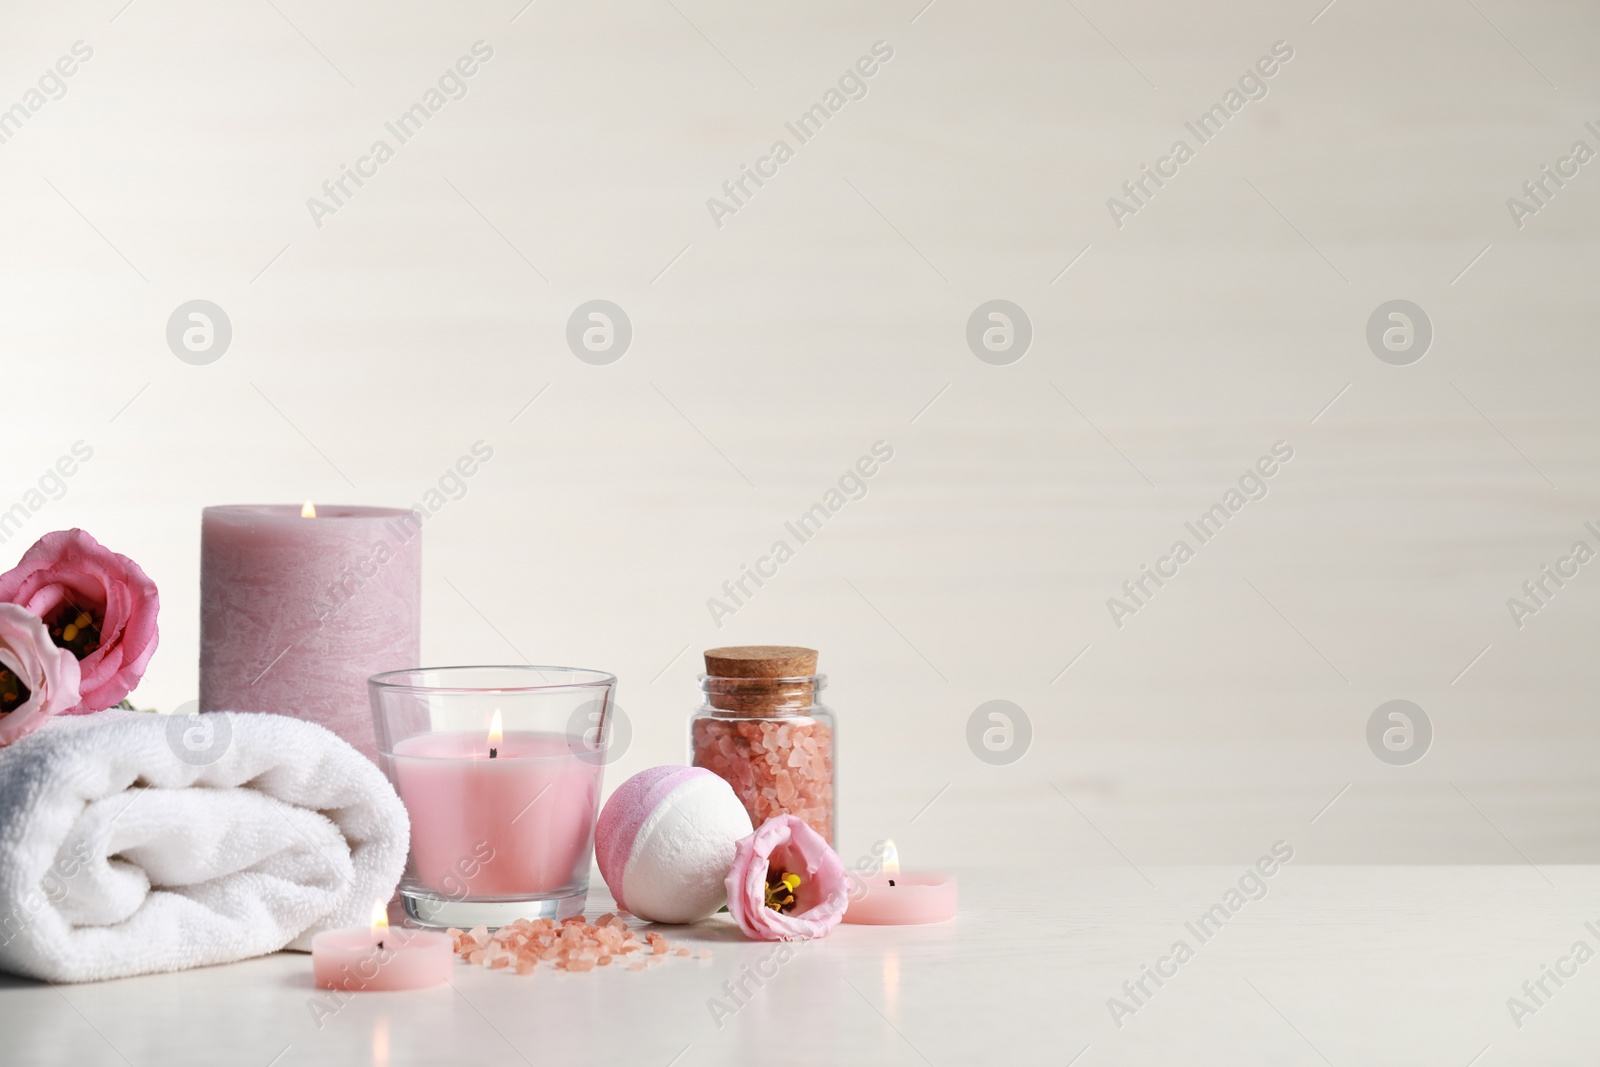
[(494, 753), (380, 944), (891, 881)]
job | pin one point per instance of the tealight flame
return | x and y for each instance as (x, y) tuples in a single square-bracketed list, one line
[(308, 510), (891, 859), (496, 734), (380, 918)]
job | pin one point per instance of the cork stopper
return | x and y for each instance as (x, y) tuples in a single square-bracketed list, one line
[(761, 661), (761, 679)]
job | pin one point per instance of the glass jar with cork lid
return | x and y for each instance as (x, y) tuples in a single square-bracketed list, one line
[(762, 729)]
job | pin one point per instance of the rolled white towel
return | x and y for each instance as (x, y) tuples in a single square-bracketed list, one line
[(132, 843)]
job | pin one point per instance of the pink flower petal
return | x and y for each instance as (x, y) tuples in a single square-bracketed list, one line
[(68, 569), (50, 673), (786, 843)]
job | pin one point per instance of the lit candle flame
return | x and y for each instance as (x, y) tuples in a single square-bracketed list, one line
[(496, 734), (891, 859), (380, 918), (308, 510)]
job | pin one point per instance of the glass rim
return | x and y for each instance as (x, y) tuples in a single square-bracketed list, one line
[(393, 680)]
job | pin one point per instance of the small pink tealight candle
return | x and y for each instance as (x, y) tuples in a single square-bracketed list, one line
[(380, 958), (893, 898)]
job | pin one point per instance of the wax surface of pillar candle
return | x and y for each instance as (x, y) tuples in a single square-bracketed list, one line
[(296, 613)]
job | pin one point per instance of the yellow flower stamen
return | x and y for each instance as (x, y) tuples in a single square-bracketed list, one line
[(780, 892), (13, 694), (79, 634)]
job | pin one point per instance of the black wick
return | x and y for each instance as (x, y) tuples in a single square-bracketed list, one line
[(891, 881), (494, 753)]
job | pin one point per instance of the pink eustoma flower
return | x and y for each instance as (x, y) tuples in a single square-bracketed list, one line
[(97, 604), (769, 908), (38, 680)]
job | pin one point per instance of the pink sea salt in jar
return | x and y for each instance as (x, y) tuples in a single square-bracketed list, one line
[(763, 731)]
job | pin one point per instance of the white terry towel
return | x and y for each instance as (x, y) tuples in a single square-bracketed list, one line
[(123, 851)]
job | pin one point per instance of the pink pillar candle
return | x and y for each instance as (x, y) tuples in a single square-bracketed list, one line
[(383, 958), (516, 825), (905, 899), (296, 613)]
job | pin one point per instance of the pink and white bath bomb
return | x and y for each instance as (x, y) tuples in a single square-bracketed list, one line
[(665, 842)]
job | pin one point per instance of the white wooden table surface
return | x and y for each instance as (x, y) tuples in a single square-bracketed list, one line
[(1350, 966)]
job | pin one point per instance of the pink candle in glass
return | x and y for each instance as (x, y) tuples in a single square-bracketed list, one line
[(380, 958), (499, 768), (300, 606), (518, 823)]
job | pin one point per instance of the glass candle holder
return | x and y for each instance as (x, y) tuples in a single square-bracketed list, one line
[(500, 771)]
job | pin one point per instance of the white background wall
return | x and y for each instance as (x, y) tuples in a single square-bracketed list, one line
[(772, 351)]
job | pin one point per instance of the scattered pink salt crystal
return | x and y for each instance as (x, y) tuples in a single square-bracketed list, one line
[(571, 945)]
